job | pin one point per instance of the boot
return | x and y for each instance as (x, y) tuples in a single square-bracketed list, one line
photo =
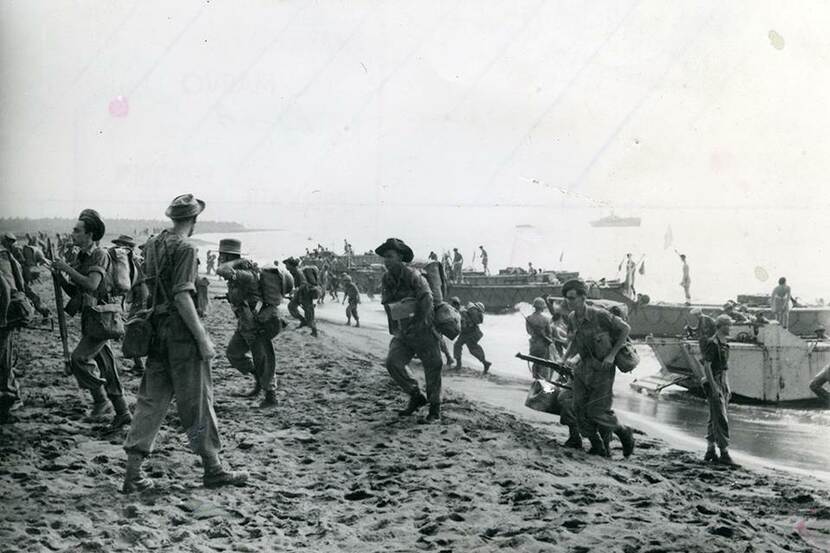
[(133, 479), (356, 323), (122, 414), (270, 399), (450, 361), (726, 459), (711, 456), (434, 415), (574, 439), (348, 322), (100, 406), (216, 475), (487, 366), (254, 391), (416, 401), (626, 436), (314, 331), (597, 446), (606, 440)]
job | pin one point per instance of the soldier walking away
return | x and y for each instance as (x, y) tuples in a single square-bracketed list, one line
[(716, 386), (179, 359), (92, 361), (351, 293), (250, 349), (686, 280), (538, 327), (471, 317), (11, 284), (407, 299), (597, 336), (485, 259), (211, 262), (29, 273), (457, 264), (136, 298), (303, 296)]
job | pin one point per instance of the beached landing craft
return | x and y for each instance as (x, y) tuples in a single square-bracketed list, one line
[(504, 291), (774, 367)]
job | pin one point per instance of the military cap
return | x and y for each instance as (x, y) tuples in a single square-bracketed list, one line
[(539, 303), (230, 245), (397, 245), (478, 305), (9, 236), (574, 284), (292, 261), (456, 301), (184, 206), (93, 223)]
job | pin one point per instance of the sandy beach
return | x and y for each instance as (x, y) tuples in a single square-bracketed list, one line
[(334, 469)]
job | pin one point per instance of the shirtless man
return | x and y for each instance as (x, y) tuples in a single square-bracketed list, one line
[(780, 302)]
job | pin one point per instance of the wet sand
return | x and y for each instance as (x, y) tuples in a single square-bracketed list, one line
[(333, 469)]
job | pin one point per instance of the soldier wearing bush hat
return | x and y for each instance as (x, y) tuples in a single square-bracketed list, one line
[(250, 349), (407, 299), (179, 358)]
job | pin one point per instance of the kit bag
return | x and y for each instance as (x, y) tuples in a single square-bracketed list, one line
[(274, 284), (447, 320), (138, 330), (543, 396), (311, 274), (627, 358), (121, 271), (104, 322)]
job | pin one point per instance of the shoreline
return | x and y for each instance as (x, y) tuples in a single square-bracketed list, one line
[(334, 469)]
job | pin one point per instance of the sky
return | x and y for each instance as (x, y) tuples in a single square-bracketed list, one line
[(287, 113)]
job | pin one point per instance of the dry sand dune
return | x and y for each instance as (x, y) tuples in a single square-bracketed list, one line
[(333, 469)]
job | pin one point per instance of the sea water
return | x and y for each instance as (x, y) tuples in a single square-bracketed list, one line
[(729, 251)]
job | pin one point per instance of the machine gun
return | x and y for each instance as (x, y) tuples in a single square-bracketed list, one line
[(67, 363), (560, 368)]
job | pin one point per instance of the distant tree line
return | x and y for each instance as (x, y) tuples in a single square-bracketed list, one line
[(135, 227)]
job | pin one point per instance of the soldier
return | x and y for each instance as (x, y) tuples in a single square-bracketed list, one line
[(716, 386), (92, 361), (11, 282), (597, 336), (250, 350), (457, 264), (351, 293), (8, 242), (137, 296), (471, 317), (211, 262), (485, 260), (179, 358), (302, 296), (407, 299), (537, 326)]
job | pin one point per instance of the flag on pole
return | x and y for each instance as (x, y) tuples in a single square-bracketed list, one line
[(561, 256), (668, 239)]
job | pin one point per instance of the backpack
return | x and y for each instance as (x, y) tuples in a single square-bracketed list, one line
[(121, 270), (274, 284), (311, 274)]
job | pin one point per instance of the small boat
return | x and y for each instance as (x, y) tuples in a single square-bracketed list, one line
[(774, 366), (616, 221)]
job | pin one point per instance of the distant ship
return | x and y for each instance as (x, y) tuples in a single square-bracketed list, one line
[(615, 221)]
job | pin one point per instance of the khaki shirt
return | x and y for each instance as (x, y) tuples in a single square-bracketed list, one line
[(173, 257), (93, 260)]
